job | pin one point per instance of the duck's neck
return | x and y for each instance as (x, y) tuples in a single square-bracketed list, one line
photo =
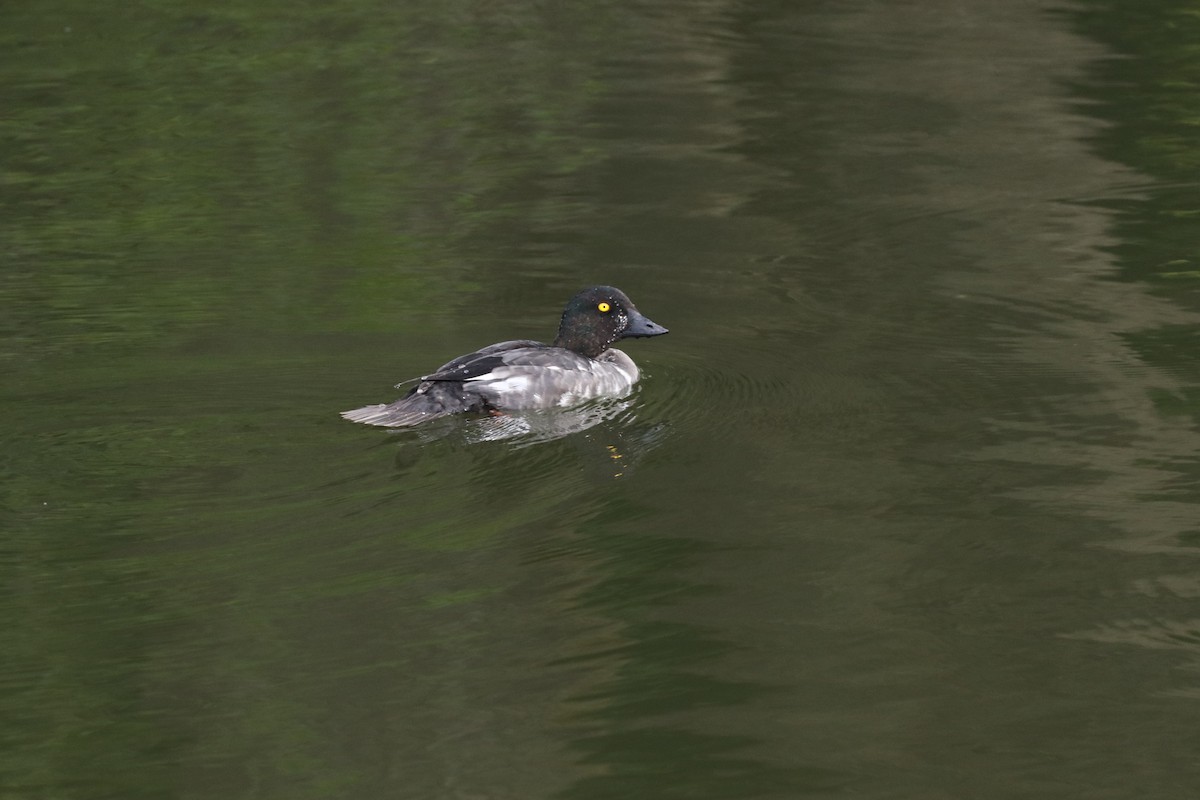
[(582, 339)]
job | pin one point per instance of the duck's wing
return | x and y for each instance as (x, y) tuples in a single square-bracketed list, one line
[(504, 354), (542, 377)]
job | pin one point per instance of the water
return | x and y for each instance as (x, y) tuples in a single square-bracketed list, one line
[(905, 505)]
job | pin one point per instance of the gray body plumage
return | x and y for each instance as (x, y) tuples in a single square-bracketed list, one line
[(511, 376)]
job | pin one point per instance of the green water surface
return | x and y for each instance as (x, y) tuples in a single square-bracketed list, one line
[(905, 506)]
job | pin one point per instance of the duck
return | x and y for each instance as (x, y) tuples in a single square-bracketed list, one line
[(579, 365)]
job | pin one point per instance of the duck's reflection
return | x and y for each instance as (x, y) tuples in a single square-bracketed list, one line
[(606, 431)]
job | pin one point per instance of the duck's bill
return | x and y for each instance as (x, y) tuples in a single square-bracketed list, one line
[(640, 325)]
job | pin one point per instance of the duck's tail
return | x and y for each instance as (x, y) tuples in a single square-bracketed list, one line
[(428, 401)]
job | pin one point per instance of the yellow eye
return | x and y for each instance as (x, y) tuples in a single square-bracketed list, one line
[(605, 307)]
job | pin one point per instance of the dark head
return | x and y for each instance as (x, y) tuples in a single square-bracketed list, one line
[(599, 316)]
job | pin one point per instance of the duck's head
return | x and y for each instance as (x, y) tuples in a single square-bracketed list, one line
[(599, 316)]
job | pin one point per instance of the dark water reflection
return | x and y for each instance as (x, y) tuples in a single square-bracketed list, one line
[(905, 506)]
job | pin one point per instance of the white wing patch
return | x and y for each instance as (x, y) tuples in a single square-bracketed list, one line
[(504, 380)]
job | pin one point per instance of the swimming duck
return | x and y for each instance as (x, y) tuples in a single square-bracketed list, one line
[(524, 374)]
